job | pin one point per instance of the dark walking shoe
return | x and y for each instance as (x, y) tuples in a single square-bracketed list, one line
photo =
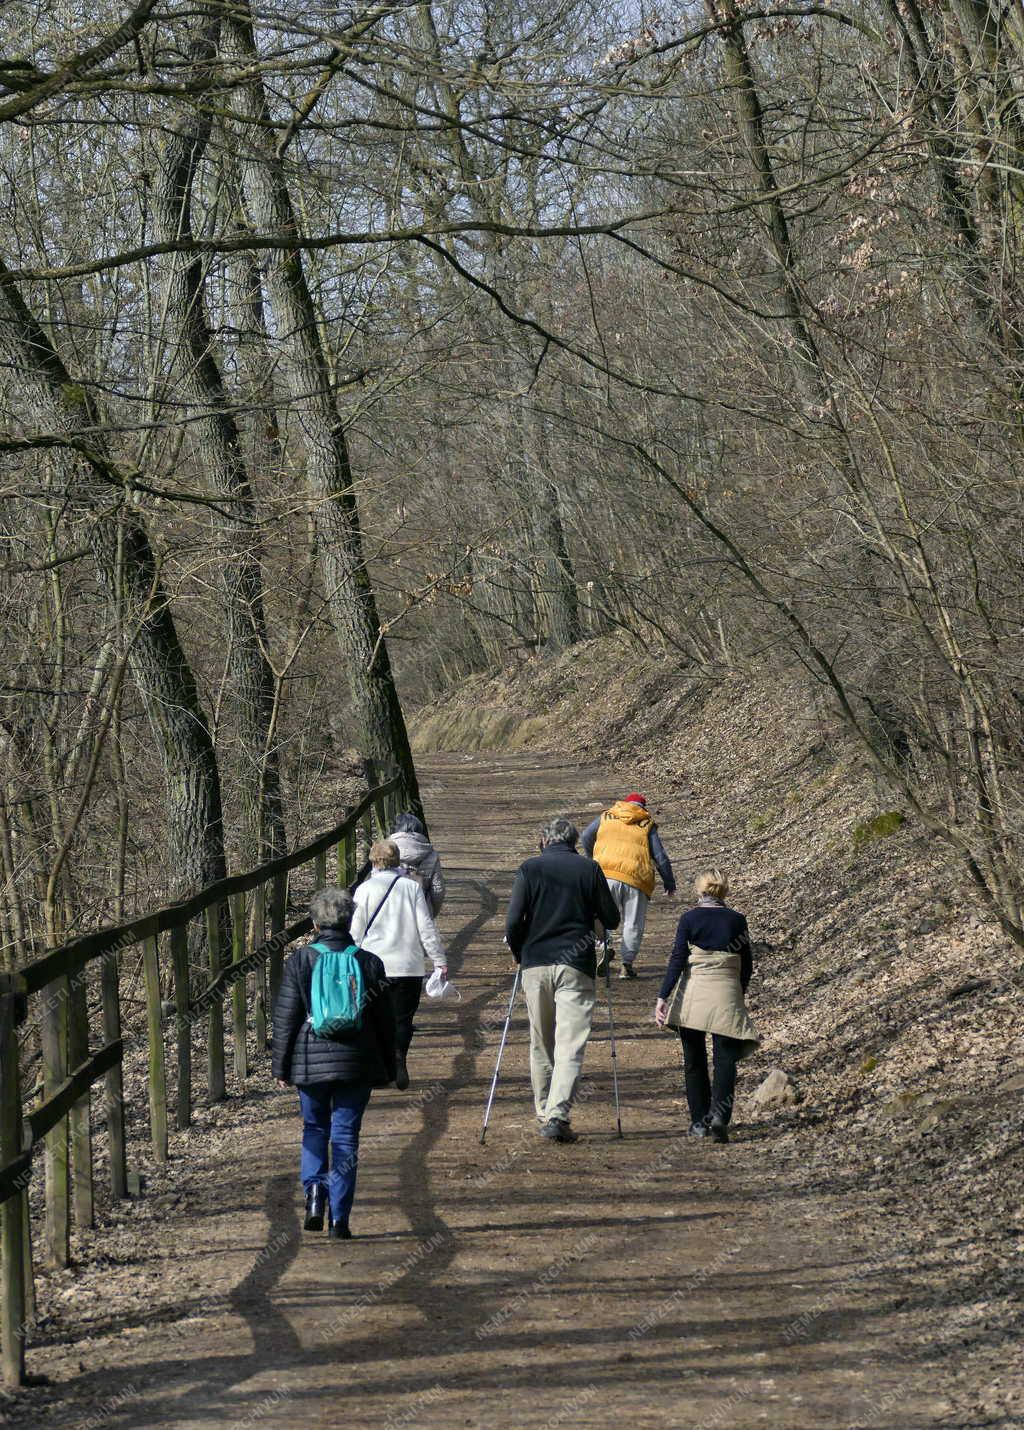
[(718, 1131), (627, 971), (401, 1072), (698, 1129), (558, 1131), (316, 1207), (338, 1231)]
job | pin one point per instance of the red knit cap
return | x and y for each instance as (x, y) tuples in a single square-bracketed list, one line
[(635, 799)]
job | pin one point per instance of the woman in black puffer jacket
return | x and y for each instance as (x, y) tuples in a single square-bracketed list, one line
[(334, 1075)]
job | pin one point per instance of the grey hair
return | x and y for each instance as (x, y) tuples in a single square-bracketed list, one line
[(560, 831), (331, 908)]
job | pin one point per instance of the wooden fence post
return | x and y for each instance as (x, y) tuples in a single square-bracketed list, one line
[(239, 1019), (278, 920), (28, 1280), (259, 1007), (347, 858), (182, 1023), (155, 1031), (113, 1081), (215, 1037), (381, 811), (12, 1226), (80, 1120), (320, 869), (54, 1039)]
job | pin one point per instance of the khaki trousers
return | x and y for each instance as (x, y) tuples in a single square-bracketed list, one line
[(560, 1002)]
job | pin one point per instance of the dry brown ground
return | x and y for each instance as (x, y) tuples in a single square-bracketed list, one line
[(648, 1281)]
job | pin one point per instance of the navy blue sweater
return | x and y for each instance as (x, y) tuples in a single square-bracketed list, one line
[(713, 926)]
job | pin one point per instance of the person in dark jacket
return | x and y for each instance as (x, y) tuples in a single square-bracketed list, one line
[(549, 927), (703, 992), (334, 1075)]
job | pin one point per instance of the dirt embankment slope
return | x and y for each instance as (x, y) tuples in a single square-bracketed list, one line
[(885, 991)]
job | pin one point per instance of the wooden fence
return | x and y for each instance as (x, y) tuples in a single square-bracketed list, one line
[(55, 990)]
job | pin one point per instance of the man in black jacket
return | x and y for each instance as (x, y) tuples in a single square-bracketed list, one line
[(555, 900), (334, 1075)]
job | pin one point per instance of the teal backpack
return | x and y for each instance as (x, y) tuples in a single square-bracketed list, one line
[(337, 992)]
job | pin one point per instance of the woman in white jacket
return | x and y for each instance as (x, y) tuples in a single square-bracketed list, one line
[(393, 920)]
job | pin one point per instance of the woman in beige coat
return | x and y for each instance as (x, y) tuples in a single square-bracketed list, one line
[(702, 992)]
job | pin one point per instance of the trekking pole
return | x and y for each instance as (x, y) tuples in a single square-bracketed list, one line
[(611, 1036), (501, 1049)]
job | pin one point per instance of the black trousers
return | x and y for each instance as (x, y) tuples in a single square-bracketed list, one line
[(709, 1099), (405, 994)]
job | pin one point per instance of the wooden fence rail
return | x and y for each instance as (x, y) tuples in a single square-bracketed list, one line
[(59, 984)]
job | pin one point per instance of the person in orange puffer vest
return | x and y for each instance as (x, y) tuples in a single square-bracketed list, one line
[(625, 842)]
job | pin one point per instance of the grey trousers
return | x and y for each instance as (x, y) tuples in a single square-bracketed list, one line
[(633, 908), (560, 1002)]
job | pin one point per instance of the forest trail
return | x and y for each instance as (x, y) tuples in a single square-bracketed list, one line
[(644, 1282)]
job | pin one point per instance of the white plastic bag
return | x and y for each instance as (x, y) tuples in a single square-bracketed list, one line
[(438, 987)]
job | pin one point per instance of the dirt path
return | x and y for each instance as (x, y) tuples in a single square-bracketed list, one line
[(644, 1282)]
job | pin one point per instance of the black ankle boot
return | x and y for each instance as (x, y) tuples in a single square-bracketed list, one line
[(316, 1207), (718, 1130), (338, 1231), (401, 1072)]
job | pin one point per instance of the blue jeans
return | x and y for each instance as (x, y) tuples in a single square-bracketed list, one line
[(332, 1112)]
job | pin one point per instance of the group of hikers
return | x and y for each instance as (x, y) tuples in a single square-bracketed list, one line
[(343, 1019)]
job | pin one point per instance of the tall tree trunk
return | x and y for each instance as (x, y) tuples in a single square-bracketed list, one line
[(219, 446), (253, 350), (564, 627), (348, 589), (560, 589), (749, 113), (63, 409), (545, 534), (918, 54)]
